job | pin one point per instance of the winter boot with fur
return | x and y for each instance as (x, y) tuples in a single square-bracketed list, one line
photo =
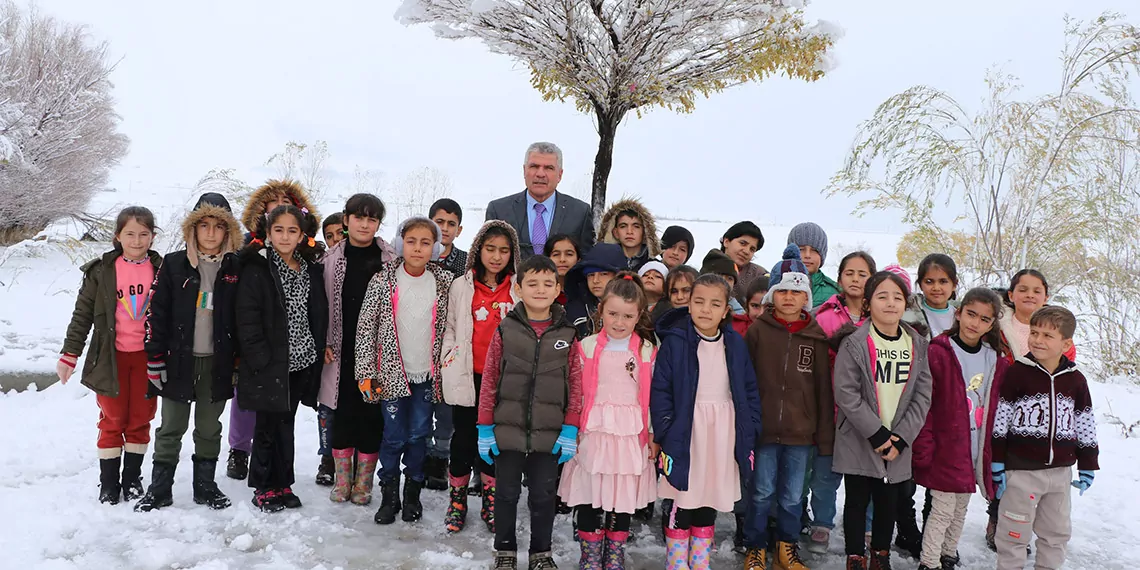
[(132, 476), (342, 475), (110, 489), (160, 493), (456, 517), (206, 491), (365, 474), (389, 502)]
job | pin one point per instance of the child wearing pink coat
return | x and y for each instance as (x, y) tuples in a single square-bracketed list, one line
[(613, 473)]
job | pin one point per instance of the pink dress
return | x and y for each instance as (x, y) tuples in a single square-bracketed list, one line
[(714, 477), (612, 470)]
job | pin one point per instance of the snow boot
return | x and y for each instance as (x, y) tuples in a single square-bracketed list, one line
[(288, 499), (788, 556), (456, 517), (206, 491), (389, 502), (325, 471), (677, 549), (505, 560), (132, 476), (237, 467), (738, 535), (365, 474), (342, 475), (909, 538), (487, 512), (856, 562), (700, 547), (614, 557), (950, 562), (109, 486), (756, 559), (268, 500), (541, 561), (435, 473), (593, 549), (160, 493), (413, 509), (879, 560)]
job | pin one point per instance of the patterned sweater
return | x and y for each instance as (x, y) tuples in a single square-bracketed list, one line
[(1045, 420)]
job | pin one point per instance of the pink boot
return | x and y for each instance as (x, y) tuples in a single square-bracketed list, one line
[(342, 475), (700, 548), (365, 474), (676, 549), (591, 543)]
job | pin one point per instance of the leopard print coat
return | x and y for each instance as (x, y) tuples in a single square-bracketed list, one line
[(379, 370)]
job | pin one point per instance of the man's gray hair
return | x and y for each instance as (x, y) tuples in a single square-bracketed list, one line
[(543, 148)]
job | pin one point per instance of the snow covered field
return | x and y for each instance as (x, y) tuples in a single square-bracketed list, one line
[(51, 519)]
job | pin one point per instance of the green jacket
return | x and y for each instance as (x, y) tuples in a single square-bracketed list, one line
[(822, 289), (95, 307)]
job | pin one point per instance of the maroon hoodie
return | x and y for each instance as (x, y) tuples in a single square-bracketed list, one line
[(942, 455)]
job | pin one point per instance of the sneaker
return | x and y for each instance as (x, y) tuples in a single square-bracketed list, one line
[(268, 500), (819, 541), (505, 560), (541, 561), (289, 499)]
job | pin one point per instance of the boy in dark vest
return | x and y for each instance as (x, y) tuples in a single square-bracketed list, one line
[(530, 403)]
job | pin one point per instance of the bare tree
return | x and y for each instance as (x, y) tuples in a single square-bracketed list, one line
[(615, 56), (305, 163), (58, 127), (1017, 173), (415, 192)]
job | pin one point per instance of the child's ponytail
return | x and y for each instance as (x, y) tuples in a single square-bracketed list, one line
[(627, 286)]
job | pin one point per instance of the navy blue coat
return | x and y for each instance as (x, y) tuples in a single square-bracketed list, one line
[(674, 391)]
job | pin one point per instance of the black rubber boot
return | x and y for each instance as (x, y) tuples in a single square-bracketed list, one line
[(413, 509), (109, 487), (132, 476), (160, 493), (389, 503), (206, 490), (238, 465)]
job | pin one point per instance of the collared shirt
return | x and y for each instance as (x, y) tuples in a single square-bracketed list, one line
[(547, 216)]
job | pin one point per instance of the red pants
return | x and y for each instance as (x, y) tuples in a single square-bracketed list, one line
[(125, 421)]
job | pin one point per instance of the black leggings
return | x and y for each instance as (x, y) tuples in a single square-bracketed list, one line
[(860, 491), (684, 519), (465, 441), (590, 519)]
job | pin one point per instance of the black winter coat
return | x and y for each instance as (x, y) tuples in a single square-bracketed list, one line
[(170, 327), (263, 335)]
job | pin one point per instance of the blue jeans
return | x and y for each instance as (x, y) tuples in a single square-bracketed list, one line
[(778, 478), (824, 488), (324, 429), (441, 435), (407, 424)]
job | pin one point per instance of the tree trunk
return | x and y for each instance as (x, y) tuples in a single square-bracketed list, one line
[(603, 162)]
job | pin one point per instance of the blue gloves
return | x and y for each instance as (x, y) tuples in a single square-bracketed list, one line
[(1085, 481), (998, 470), (487, 444), (567, 444)]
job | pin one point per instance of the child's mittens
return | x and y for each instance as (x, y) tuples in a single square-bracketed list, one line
[(1000, 479), (1085, 481), (488, 447), (156, 371), (567, 443), (66, 366)]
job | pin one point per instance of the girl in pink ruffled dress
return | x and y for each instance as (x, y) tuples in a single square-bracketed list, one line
[(613, 474)]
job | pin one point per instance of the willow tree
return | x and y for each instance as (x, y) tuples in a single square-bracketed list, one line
[(612, 57), (1023, 178)]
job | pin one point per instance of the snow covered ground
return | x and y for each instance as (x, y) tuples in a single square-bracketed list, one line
[(51, 519)]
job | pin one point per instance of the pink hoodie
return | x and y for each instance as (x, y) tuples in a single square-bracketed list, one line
[(832, 315)]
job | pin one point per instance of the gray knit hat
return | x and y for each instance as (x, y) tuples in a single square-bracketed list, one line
[(809, 233)]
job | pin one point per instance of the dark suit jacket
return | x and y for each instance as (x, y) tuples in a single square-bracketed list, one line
[(571, 216)]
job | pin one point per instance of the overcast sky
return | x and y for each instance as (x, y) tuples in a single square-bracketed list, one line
[(221, 84)]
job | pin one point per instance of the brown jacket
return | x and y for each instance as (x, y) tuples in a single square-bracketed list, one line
[(794, 378)]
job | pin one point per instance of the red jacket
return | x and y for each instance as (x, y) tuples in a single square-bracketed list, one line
[(942, 454), (741, 323)]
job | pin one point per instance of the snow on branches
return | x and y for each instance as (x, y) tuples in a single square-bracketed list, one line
[(58, 134)]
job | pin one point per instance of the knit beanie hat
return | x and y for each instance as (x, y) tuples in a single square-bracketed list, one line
[(674, 234), (898, 270), (436, 249), (653, 266), (809, 233), (791, 263), (718, 262), (790, 281)]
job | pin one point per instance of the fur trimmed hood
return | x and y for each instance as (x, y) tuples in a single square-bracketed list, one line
[(480, 238), (256, 205), (648, 223), (206, 209)]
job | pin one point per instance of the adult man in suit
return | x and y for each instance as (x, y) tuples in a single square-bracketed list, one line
[(541, 210)]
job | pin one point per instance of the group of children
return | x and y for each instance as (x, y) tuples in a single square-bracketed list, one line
[(607, 377)]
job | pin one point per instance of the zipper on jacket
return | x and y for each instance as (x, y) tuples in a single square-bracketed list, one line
[(533, 383), (1052, 414), (784, 386)]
